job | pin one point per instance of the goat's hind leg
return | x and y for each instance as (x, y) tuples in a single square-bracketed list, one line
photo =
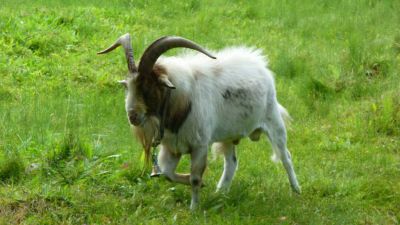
[(168, 163), (287, 163), (277, 135), (230, 164)]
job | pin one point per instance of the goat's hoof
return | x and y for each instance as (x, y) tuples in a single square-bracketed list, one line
[(194, 207), (296, 189)]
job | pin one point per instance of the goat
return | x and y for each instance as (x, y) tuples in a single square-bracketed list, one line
[(199, 100)]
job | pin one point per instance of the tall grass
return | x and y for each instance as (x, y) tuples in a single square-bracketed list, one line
[(67, 155)]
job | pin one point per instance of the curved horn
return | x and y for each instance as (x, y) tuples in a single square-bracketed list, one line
[(125, 41), (158, 47)]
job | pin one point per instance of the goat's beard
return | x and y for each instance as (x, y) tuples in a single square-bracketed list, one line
[(147, 133)]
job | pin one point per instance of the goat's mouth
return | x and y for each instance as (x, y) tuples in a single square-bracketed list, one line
[(134, 123)]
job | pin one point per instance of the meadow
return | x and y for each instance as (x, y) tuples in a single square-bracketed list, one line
[(68, 156)]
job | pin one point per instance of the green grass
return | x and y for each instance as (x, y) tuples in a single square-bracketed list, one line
[(67, 155)]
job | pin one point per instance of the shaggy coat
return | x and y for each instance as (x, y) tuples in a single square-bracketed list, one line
[(191, 101)]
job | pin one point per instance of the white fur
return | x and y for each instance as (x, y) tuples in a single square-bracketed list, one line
[(241, 75)]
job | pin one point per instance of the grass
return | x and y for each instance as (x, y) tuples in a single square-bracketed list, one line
[(67, 155)]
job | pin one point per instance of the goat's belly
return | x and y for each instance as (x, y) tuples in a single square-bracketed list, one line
[(236, 125)]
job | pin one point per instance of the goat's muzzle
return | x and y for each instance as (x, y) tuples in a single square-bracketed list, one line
[(134, 118)]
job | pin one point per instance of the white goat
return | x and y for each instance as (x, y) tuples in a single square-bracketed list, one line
[(201, 100)]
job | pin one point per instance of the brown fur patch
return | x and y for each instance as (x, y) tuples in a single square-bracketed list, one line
[(150, 89), (179, 109)]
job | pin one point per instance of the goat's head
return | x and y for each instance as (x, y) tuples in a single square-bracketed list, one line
[(146, 85)]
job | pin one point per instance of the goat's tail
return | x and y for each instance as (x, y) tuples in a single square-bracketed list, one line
[(285, 115)]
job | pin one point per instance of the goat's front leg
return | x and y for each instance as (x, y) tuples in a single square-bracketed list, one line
[(198, 165), (168, 162)]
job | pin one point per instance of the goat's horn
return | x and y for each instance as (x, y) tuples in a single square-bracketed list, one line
[(125, 41), (158, 47)]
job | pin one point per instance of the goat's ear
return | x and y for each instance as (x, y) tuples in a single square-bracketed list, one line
[(123, 83), (166, 82)]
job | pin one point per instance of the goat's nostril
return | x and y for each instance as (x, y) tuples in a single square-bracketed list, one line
[(133, 117)]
